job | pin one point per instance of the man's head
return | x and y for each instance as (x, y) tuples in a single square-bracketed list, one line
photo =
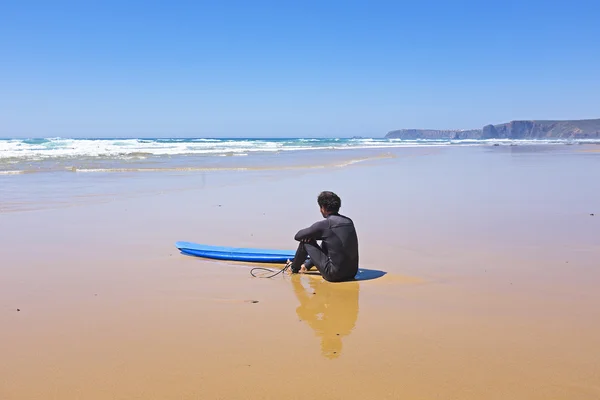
[(329, 203)]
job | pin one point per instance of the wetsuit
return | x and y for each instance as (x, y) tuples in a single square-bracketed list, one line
[(337, 257)]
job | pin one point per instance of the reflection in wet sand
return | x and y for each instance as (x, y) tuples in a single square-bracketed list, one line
[(331, 310)]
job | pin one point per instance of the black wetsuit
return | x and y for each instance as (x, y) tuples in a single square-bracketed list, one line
[(337, 258)]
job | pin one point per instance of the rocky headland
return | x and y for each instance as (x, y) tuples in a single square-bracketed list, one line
[(531, 129)]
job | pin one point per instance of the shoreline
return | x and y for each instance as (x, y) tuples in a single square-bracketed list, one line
[(84, 154)]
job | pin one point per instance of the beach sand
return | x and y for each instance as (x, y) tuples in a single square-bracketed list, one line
[(490, 288)]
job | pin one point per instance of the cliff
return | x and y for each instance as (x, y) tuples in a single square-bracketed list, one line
[(579, 129), (573, 129)]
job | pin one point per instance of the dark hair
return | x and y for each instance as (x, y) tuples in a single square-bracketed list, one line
[(329, 201)]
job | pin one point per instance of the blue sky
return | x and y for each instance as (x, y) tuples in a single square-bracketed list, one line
[(282, 68)]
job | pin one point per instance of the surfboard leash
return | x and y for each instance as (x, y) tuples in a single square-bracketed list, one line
[(288, 265)]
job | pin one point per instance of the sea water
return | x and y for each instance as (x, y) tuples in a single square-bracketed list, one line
[(19, 156), (58, 172)]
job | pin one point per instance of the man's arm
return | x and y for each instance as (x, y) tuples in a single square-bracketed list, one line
[(315, 231)]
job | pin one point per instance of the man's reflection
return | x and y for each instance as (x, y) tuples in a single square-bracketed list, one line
[(330, 309)]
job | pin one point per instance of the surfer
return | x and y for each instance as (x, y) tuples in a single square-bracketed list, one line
[(337, 257)]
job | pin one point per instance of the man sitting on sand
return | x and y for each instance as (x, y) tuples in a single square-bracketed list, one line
[(337, 257)]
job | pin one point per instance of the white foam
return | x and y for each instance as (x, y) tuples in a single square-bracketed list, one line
[(18, 150)]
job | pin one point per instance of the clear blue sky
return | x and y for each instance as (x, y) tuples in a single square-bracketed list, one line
[(282, 68)]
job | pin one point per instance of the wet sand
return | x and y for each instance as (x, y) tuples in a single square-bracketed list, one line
[(490, 287)]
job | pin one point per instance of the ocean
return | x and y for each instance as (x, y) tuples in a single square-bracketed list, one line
[(59, 172), (19, 156)]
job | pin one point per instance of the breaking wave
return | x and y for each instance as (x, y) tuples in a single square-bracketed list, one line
[(61, 148)]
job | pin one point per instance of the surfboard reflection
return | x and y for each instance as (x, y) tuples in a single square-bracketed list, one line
[(330, 309)]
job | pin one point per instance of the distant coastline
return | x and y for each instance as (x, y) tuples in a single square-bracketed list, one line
[(526, 129)]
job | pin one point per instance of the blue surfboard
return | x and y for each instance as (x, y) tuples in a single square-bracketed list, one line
[(235, 253)]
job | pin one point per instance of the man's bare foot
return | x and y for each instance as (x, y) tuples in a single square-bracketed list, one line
[(288, 265)]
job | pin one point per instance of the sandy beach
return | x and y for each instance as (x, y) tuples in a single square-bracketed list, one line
[(488, 259)]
